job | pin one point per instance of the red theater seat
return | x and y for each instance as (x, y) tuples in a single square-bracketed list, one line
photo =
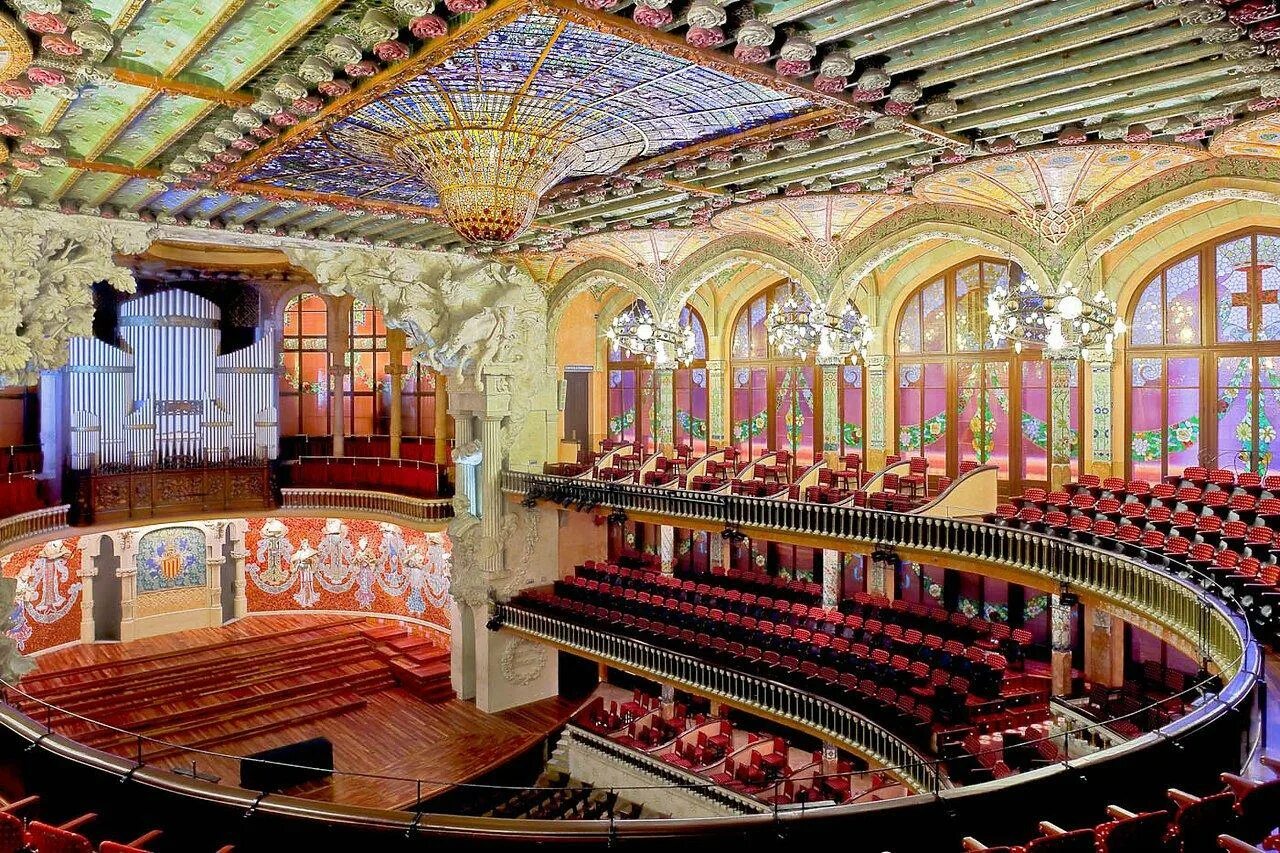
[(60, 839)]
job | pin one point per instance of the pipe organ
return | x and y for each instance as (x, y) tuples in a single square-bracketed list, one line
[(167, 396)]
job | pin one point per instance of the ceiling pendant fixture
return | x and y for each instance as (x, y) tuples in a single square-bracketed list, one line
[(636, 331), (1065, 321), (798, 327)]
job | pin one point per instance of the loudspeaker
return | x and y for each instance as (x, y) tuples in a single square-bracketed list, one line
[(314, 758)]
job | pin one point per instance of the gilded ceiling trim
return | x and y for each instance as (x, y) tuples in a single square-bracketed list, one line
[(14, 41)]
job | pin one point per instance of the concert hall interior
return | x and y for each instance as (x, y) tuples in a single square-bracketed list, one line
[(496, 424)]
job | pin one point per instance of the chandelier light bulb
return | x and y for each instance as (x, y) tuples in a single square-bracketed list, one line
[(644, 331), (1070, 306)]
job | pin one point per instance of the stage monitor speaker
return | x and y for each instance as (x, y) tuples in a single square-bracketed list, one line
[(314, 760)]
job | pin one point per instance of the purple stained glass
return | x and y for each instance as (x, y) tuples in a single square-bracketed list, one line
[(1181, 304), (1233, 262), (1235, 413), (1269, 296), (909, 327), (933, 324), (1147, 323), (795, 424), (1035, 432), (970, 319), (1269, 415)]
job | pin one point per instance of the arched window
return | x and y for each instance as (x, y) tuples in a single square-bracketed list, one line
[(305, 386), (633, 394), (367, 395), (1204, 360), (776, 401), (960, 398)]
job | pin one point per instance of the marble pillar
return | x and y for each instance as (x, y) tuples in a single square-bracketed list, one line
[(667, 548), (664, 408), (832, 579), (716, 394), (1103, 648), (1060, 647)]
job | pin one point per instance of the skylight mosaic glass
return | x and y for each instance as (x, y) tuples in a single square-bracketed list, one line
[(540, 88)]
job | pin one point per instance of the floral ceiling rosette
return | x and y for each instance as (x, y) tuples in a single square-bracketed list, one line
[(486, 131)]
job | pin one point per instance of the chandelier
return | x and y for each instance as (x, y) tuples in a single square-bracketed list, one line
[(1064, 321), (796, 326), (636, 331)]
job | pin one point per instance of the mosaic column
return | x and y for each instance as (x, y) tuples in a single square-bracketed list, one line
[(830, 758), (666, 701), (880, 578), (1060, 645), (831, 425), (1060, 373), (832, 579), (1100, 407), (464, 474), (441, 456), (877, 388), (667, 548), (715, 403), (664, 408), (338, 374), (715, 550)]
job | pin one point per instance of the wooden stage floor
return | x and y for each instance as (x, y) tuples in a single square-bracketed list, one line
[(394, 734)]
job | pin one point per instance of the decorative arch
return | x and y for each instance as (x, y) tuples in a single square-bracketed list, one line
[(599, 272)]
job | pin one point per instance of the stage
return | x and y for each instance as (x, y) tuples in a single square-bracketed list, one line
[(268, 681)]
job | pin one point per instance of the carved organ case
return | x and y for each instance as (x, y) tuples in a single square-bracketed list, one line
[(167, 394)]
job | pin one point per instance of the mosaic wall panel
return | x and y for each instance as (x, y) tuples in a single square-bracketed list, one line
[(357, 565), (172, 558), (46, 612)]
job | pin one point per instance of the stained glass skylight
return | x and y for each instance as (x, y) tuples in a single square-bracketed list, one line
[(537, 100)]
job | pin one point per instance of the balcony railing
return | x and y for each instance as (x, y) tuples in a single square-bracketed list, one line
[(818, 715), (380, 503), (39, 521), (1204, 623)]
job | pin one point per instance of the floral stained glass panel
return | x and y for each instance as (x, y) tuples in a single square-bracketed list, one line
[(1233, 262), (1181, 303)]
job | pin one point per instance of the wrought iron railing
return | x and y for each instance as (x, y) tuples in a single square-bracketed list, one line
[(1157, 594), (356, 500), (818, 715)]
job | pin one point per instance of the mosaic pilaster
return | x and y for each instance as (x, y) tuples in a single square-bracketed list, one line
[(877, 370), (1060, 453), (715, 401), (1100, 404), (830, 405), (664, 406)]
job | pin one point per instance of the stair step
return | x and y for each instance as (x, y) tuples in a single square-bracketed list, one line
[(411, 642), (386, 632)]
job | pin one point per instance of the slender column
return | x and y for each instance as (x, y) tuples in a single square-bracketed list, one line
[(464, 474), (1060, 645), (830, 758), (1063, 447), (831, 422), (667, 548), (664, 408), (832, 579), (240, 608), (880, 578), (716, 393), (88, 571), (490, 476), (339, 313), (1099, 410), (395, 371), (442, 421)]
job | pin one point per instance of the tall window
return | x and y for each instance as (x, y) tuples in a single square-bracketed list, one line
[(304, 386), (776, 400), (633, 394), (418, 401), (960, 398), (1204, 360), (367, 396)]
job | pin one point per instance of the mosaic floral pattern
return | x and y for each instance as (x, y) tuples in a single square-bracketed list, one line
[(352, 564), (1257, 138), (811, 219), (172, 558)]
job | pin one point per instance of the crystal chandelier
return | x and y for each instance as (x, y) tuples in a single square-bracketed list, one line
[(796, 326), (636, 331), (1065, 321)]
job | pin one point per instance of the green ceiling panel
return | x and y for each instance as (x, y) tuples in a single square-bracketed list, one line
[(254, 38), (93, 118), (167, 30), (93, 187), (48, 184), (158, 126), (39, 108)]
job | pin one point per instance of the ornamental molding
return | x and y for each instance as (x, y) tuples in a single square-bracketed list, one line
[(523, 661), (734, 251), (13, 44)]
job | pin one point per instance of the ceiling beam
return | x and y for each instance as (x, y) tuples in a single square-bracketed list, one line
[(170, 86)]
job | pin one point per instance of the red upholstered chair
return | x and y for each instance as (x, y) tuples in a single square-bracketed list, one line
[(13, 832), (60, 839), (138, 845), (1128, 832), (1234, 845)]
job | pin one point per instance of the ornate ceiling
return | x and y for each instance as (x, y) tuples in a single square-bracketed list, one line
[(265, 115)]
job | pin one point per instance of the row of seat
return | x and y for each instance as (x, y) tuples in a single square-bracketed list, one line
[(21, 833), (1241, 818)]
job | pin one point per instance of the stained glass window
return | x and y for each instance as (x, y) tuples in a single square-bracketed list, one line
[(961, 398), (1203, 352), (304, 382), (367, 392)]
